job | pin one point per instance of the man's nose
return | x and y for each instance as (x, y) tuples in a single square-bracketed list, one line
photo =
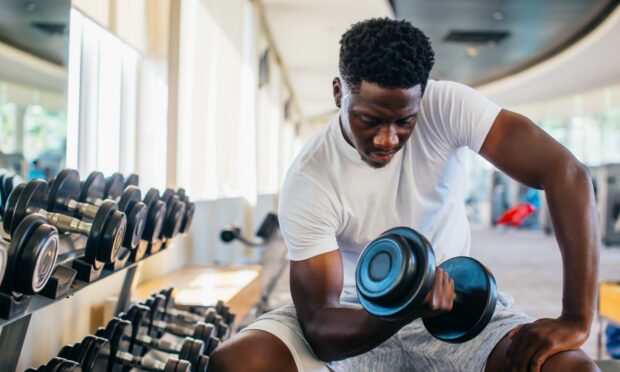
[(386, 139)]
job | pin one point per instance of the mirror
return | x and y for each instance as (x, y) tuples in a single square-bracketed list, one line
[(34, 46)]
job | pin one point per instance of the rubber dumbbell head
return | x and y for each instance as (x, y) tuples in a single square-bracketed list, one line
[(155, 216), (132, 180), (31, 256), (114, 186)]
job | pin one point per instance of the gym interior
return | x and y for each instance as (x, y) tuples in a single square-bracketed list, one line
[(172, 136)]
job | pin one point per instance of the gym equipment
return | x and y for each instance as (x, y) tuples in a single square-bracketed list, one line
[(3, 258), (144, 319), (265, 231), (192, 313), (395, 273), (105, 234), (155, 216), (7, 183), (67, 195), (58, 364), (132, 180), (190, 209), (175, 213), (157, 304), (190, 350), (96, 354)]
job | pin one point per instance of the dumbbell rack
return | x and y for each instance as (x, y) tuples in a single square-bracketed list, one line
[(13, 330)]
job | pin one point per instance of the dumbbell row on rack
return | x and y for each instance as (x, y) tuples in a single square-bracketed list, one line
[(31, 256), (143, 340)]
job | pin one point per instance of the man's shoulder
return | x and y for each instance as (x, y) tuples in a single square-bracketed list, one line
[(316, 154)]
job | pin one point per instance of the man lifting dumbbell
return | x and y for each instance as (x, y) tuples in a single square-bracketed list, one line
[(368, 171)]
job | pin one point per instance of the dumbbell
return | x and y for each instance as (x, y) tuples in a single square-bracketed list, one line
[(120, 334), (68, 195), (190, 209), (157, 304), (143, 318), (155, 216), (58, 364), (105, 234), (97, 354), (190, 350), (175, 213), (7, 183), (29, 258), (195, 313), (395, 274), (132, 180)]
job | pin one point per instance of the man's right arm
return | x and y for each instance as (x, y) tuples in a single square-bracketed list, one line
[(335, 331)]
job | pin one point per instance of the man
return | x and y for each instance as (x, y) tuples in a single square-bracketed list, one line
[(393, 156)]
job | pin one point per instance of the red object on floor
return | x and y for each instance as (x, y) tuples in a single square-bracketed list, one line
[(515, 215)]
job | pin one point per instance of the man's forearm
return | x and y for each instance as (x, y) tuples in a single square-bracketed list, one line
[(573, 211), (341, 332)]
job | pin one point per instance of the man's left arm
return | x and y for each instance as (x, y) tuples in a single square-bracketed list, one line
[(519, 148)]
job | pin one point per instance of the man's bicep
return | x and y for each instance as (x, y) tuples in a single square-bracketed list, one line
[(316, 282), (523, 150)]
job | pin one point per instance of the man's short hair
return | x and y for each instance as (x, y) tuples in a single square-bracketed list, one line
[(386, 52)]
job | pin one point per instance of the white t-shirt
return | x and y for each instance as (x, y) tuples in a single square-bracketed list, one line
[(331, 199)]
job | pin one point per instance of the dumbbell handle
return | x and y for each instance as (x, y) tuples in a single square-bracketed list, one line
[(145, 364), (84, 209), (173, 329), (159, 344), (66, 223)]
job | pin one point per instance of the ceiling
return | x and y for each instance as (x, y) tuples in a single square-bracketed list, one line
[(306, 34), (39, 27), (535, 30)]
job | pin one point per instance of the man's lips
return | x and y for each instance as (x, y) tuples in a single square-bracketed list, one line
[(381, 157)]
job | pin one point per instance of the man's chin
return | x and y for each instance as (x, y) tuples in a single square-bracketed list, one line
[(374, 164)]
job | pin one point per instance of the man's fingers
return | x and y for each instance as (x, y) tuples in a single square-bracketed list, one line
[(514, 350), (514, 331)]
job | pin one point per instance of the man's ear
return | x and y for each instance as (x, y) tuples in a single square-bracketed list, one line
[(337, 91)]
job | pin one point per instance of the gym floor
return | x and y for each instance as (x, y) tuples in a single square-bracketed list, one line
[(526, 264)]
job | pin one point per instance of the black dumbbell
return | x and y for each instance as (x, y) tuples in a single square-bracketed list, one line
[(67, 194), (190, 349), (208, 314), (143, 318), (115, 344), (175, 213), (3, 259), (190, 209), (8, 182), (158, 305), (155, 216), (132, 180), (30, 256), (201, 310), (395, 273), (105, 234), (58, 364)]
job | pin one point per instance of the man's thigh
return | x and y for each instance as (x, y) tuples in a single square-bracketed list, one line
[(426, 353)]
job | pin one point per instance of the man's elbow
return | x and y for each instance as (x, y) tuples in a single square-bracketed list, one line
[(318, 340)]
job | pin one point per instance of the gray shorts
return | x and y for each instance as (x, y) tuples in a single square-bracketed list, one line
[(410, 349)]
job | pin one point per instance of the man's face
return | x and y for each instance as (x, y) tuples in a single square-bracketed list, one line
[(377, 121)]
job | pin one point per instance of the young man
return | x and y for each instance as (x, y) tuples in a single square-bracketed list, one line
[(393, 156)]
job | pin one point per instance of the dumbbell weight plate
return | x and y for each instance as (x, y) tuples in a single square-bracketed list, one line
[(114, 186), (395, 273), (191, 350), (130, 194), (468, 317), (3, 262), (10, 206), (32, 198), (95, 354), (19, 241), (66, 187), (168, 193), (8, 184), (38, 257), (93, 188), (202, 365), (154, 221), (133, 180), (54, 365), (136, 217), (188, 218), (112, 236), (175, 365), (175, 211), (150, 197)]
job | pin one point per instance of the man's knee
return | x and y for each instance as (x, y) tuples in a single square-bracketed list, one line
[(574, 360), (252, 350)]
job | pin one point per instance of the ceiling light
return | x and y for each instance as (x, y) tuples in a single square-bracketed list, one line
[(471, 52)]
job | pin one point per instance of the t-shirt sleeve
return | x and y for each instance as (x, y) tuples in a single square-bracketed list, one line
[(465, 115), (308, 219)]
